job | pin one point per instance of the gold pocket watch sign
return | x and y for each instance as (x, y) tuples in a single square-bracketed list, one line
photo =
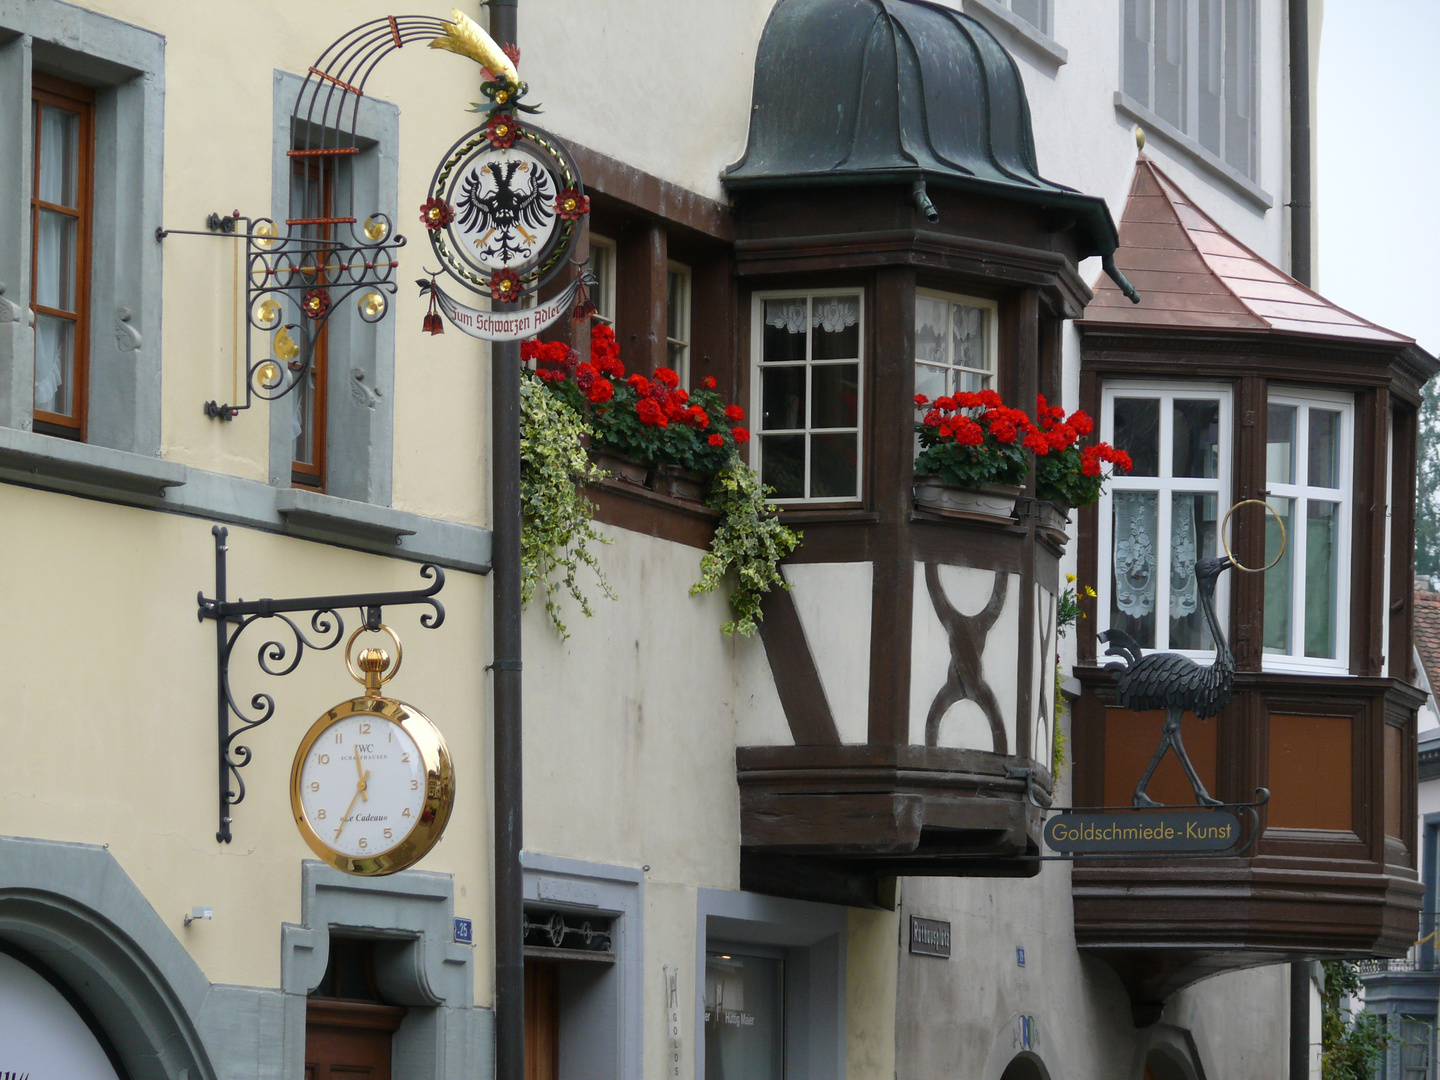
[(372, 785)]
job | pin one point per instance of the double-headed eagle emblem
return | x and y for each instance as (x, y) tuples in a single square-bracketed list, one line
[(512, 215)]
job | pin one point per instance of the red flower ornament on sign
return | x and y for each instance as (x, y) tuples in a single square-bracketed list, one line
[(506, 285), (570, 205), (436, 214), (502, 131), (315, 303)]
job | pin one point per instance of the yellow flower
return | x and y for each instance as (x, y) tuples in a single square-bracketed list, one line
[(1089, 592), (1070, 578)]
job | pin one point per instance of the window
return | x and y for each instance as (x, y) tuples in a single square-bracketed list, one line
[(1035, 12), (1191, 63), (61, 205), (744, 1011), (1307, 475), (677, 320), (1161, 517), (312, 196), (955, 344), (602, 262), (807, 393)]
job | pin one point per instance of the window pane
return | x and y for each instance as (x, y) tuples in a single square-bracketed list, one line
[(930, 381), (930, 331), (744, 1028), (1137, 50), (1137, 432), (835, 322), (1240, 85), (786, 324), (1278, 578), (834, 394), (1324, 448), (832, 466), (602, 262), (677, 286), (782, 465), (1132, 605), (968, 332), (304, 425), (1197, 439), (1322, 568), (782, 398), (1170, 61), (54, 365), (971, 381), (59, 156), (1192, 537), (1032, 11), (55, 254), (675, 357), (1211, 55), (1280, 445)]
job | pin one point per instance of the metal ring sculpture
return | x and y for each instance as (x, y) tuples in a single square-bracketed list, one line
[(1284, 539)]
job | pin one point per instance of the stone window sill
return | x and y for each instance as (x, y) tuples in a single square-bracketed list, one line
[(1038, 43), (1237, 181), (98, 472)]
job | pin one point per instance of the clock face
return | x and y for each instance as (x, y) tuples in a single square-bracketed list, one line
[(362, 785)]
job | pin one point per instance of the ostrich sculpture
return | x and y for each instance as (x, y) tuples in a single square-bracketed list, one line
[(1175, 683)]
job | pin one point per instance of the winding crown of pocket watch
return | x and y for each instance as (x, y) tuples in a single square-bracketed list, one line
[(372, 785)]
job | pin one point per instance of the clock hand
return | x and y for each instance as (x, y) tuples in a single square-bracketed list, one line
[(364, 775), (359, 791)]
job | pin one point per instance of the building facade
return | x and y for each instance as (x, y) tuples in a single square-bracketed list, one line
[(810, 853)]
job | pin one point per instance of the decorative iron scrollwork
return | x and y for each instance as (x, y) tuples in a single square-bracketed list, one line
[(278, 656)]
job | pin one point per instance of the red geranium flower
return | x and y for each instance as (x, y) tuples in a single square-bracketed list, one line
[(697, 417), (969, 433), (1081, 422), (316, 303), (640, 384), (571, 205), (585, 376), (666, 376), (921, 401), (734, 413), (990, 399), (436, 214), (502, 131), (601, 391), (708, 382), (945, 404), (649, 412), (717, 439), (1037, 442), (505, 285), (932, 418), (740, 435)]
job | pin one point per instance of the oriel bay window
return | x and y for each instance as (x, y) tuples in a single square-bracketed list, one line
[(61, 206), (808, 393), (1307, 475), (1156, 521)]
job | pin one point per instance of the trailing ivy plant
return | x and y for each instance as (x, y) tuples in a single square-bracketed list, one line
[(558, 519), (748, 540), (1349, 1047)]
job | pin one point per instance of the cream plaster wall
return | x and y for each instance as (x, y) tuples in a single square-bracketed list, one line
[(112, 735), (833, 601)]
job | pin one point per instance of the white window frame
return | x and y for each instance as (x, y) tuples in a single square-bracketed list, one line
[(757, 344), (991, 321), (683, 338), (1164, 484), (1301, 493), (603, 249)]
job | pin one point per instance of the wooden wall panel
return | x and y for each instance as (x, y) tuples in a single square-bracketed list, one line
[(1130, 741), (1394, 782), (1310, 772)]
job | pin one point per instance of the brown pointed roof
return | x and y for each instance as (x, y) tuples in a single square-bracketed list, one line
[(1192, 273)]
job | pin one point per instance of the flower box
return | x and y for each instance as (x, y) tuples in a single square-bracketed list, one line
[(621, 467), (994, 501), (678, 483)]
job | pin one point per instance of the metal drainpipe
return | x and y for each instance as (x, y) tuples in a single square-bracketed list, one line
[(505, 591), (1300, 247)]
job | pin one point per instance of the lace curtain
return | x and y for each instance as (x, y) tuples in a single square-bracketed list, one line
[(1135, 557), (831, 314)]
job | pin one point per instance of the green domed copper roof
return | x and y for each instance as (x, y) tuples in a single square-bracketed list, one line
[(875, 91)]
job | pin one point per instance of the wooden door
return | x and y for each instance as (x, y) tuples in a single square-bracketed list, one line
[(349, 1040), (542, 1020)]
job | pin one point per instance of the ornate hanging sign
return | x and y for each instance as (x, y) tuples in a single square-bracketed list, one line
[(504, 208)]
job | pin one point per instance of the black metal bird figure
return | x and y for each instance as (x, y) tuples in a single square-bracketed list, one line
[(505, 210), (1175, 683)]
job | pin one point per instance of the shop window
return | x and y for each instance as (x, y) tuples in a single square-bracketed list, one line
[(1191, 63), (1163, 516), (744, 1012), (807, 393), (61, 207), (602, 262), (1307, 479), (677, 320)]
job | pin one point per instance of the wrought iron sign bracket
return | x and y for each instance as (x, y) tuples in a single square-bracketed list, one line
[(311, 276), (326, 630)]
